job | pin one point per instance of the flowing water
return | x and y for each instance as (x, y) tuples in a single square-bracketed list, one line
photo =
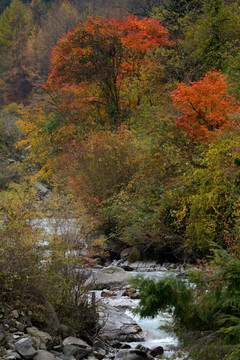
[(154, 335)]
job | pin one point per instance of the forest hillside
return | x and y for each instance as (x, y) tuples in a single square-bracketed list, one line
[(124, 117)]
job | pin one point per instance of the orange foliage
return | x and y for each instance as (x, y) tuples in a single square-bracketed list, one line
[(104, 52), (206, 106)]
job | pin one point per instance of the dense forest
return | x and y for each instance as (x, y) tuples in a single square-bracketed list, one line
[(127, 113)]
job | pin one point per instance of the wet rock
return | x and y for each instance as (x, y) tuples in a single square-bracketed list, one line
[(133, 354), (108, 277), (25, 349), (107, 293), (43, 339), (117, 326), (131, 293), (142, 348), (157, 351), (125, 346)]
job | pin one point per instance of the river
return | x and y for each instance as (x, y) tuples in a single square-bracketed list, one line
[(154, 335)]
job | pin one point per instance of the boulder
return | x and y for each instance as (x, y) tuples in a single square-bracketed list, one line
[(117, 326), (45, 318), (76, 347), (132, 354), (25, 349), (42, 339), (157, 351), (111, 276)]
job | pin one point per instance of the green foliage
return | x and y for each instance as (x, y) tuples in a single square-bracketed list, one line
[(207, 304)]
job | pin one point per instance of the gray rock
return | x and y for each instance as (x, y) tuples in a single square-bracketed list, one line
[(20, 326), (44, 355), (117, 326), (10, 345), (76, 341), (125, 253), (12, 355), (15, 314), (157, 351), (99, 344), (133, 354), (108, 277), (25, 349), (42, 339), (76, 351), (76, 347)]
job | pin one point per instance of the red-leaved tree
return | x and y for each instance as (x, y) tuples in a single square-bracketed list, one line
[(98, 56), (206, 106)]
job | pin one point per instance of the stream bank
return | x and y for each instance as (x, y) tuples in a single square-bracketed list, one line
[(121, 336)]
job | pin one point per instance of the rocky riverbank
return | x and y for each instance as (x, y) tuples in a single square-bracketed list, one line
[(20, 338)]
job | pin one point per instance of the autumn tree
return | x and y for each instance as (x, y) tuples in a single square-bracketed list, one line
[(206, 106), (100, 55)]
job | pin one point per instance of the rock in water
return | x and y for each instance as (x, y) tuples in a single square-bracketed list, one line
[(117, 326), (157, 351), (111, 276)]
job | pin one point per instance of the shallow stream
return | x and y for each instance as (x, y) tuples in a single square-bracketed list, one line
[(154, 336)]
